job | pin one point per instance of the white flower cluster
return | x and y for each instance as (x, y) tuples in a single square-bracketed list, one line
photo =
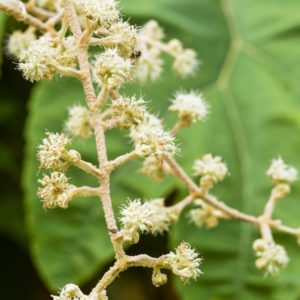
[(184, 263), (191, 107), (56, 190), (211, 169), (103, 13), (148, 217), (20, 41), (128, 112), (149, 64), (151, 140), (185, 62), (155, 168), (79, 122), (205, 215), (126, 36), (73, 292), (112, 69), (279, 172), (39, 61), (53, 154), (271, 257)]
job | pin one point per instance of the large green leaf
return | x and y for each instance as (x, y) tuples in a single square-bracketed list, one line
[(252, 91)]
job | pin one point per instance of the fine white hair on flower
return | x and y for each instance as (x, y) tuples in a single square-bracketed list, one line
[(151, 140), (148, 217), (211, 169), (279, 172), (79, 122), (185, 62), (70, 292), (56, 190), (271, 257), (112, 69), (36, 59), (126, 35), (128, 112), (19, 41), (184, 263), (104, 12), (190, 106), (52, 151)]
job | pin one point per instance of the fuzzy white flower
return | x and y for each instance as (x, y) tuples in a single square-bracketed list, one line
[(211, 169), (155, 168), (126, 35), (185, 62), (151, 140), (279, 172), (128, 112), (152, 30), (112, 69), (184, 263), (191, 107), (205, 215), (148, 217), (104, 12), (38, 60), (149, 65), (53, 155), (79, 122), (20, 41), (56, 190), (271, 257)]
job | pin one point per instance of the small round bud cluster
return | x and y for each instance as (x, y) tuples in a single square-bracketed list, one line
[(56, 190), (211, 169), (185, 263), (104, 12), (53, 154), (149, 64), (279, 172), (20, 41), (155, 168), (126, 36), (128, 112), (79, 122), (158, 278), (148, 217), (112, 69), (39, 61), (205, 215), (151, 140), (71, 292), (271, 257), (190, 107), (185, 62)]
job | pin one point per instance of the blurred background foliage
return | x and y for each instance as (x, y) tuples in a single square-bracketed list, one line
[(249, 75)]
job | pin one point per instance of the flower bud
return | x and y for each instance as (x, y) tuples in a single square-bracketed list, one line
[(158, 278), (112, 69), (279, 172)]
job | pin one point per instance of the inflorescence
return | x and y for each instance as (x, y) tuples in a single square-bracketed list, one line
[(59, 46)]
